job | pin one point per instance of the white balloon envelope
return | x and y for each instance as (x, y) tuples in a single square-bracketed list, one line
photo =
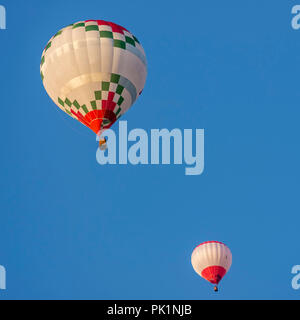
[(94, 70), (212, 260)]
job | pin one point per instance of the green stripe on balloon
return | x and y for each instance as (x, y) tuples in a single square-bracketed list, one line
[(80, 24), (106, 34), (92, 28)]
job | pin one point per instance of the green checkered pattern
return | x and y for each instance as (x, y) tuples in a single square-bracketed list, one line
[(100, 95), (119, 40), (123, 41), (67, 105)]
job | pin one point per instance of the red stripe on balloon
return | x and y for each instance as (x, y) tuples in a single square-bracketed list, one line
[(201, 244), (213, 274), (94, 119), (114, 27)]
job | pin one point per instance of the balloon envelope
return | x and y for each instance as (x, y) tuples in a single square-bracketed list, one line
[(211, 260), (94, 71)]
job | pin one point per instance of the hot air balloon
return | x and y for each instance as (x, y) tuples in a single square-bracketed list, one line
[(212, 260), (94, 71)]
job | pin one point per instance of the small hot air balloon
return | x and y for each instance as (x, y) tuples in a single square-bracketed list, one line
[(212, 260), (94, 70)]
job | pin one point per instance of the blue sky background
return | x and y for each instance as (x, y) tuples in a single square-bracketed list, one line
[(72, 229)]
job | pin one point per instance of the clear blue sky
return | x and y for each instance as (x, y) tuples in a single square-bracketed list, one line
[(72, 229)]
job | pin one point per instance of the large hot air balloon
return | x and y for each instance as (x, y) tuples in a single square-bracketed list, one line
[(94, 71), (212, 260)]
